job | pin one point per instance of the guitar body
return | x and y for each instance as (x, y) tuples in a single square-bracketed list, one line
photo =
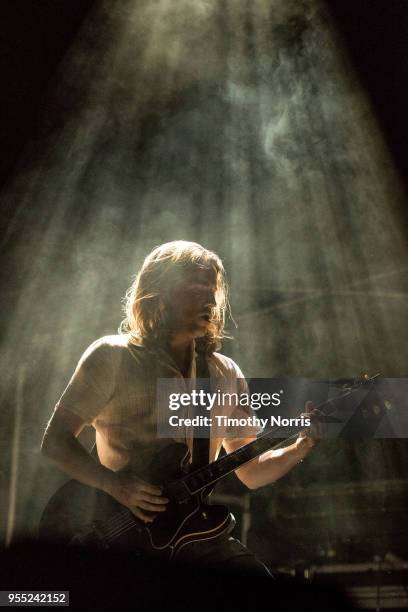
[(82, 515)]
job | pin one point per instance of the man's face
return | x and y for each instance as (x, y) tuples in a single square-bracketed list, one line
[(191, 303)]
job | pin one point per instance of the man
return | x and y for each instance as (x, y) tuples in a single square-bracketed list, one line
[(175, 311)]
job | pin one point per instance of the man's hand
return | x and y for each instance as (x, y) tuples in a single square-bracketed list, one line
[(312, 435), (137, 495)]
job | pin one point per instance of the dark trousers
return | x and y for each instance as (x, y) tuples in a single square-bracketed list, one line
[(224, 553)]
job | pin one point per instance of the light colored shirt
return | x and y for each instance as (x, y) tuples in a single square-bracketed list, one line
[(114, 389)]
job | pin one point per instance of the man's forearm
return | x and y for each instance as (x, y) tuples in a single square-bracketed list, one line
[(71, 457), (274, 464)]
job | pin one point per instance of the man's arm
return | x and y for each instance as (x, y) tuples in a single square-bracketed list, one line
[(274, 464), (60, 444), (271, 465)]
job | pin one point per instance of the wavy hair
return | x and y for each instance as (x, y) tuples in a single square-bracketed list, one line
[(145, 301)]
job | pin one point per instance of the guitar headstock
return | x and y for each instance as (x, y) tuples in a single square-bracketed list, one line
[(362, 380)]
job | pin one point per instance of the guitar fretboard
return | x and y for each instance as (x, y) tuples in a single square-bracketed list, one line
[(209, 474)]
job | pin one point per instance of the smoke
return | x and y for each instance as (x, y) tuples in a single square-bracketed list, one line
[(238, 124), (235, 123)]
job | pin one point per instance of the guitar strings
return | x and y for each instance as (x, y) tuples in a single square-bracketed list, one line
[(123, 529), (117, 518), (120, 531), (113, 532), (117, 521), (119, 524)]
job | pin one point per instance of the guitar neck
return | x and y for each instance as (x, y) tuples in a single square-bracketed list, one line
[(208, 475), (211, 473)]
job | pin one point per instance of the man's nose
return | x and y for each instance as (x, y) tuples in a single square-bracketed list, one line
[(211, 301)]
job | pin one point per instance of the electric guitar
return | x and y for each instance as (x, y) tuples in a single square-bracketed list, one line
[(81, 515)]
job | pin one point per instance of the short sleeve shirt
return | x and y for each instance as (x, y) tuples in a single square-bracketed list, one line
[(113, 388)]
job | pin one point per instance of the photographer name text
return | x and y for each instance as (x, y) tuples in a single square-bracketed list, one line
[(249, 421)]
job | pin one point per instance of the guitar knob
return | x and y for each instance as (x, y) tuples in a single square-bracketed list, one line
[(204, 515)]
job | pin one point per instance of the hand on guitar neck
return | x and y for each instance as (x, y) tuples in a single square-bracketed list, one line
[(308, 438)]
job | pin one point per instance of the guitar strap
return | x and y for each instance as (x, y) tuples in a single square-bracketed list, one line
[(201, 446), (94, 452)]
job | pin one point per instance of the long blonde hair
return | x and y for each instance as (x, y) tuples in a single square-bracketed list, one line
[(145, 300)]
